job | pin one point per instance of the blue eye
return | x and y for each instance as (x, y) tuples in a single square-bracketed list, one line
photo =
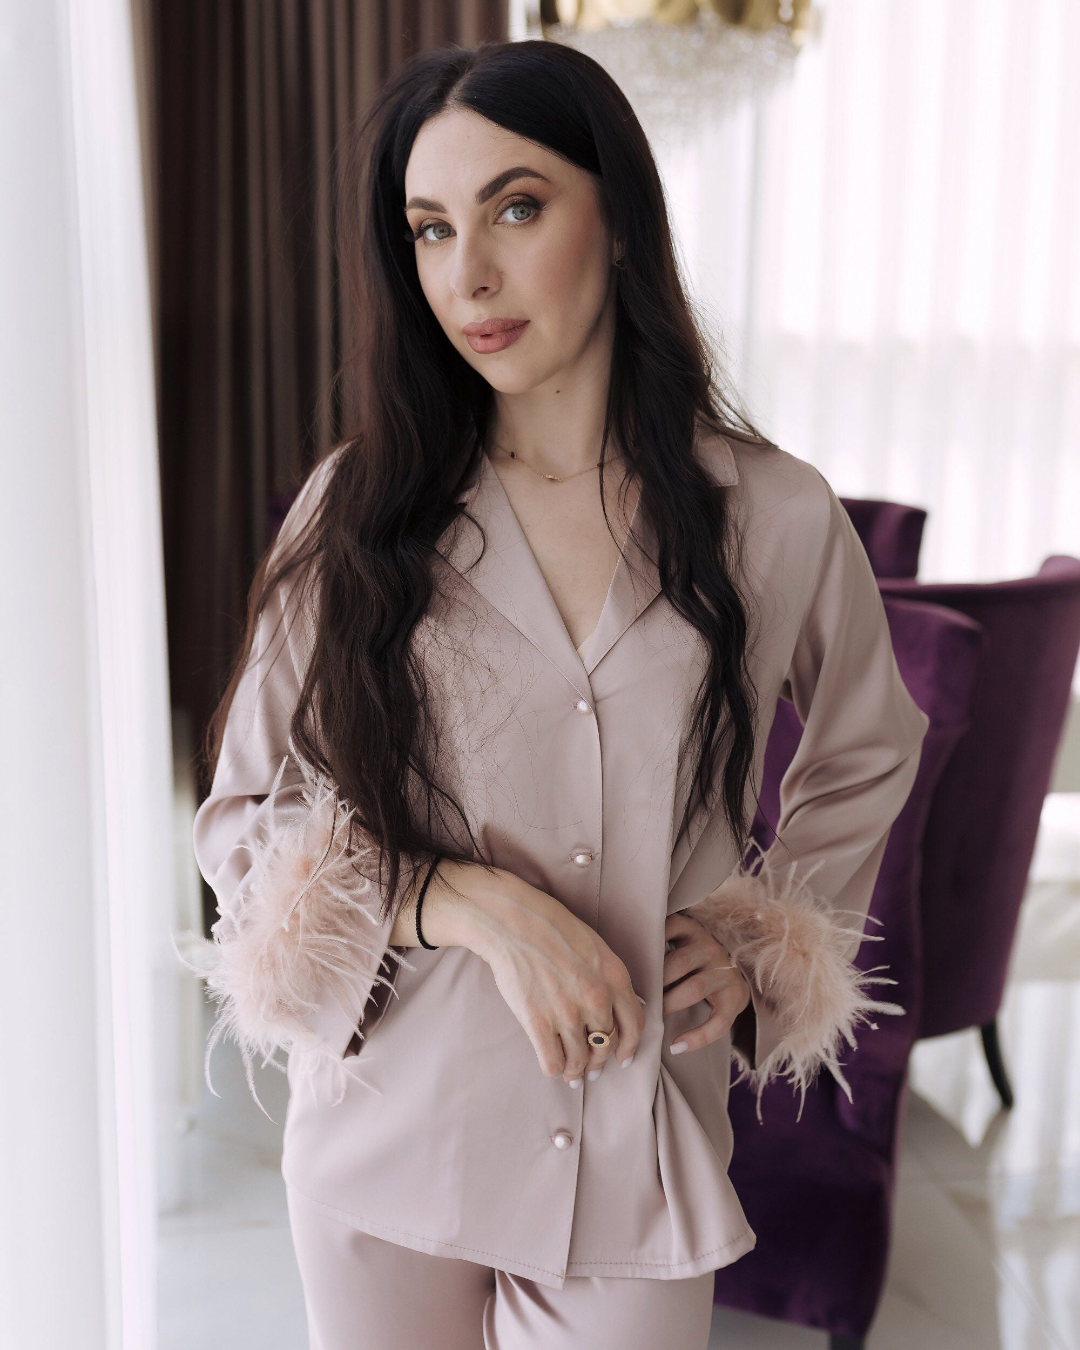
[(527, 208), (523, 204), (414, 236)]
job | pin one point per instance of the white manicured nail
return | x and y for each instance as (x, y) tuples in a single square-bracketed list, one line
[(678, 1049), (628, 1061), (574, 1082), (594, 1074)]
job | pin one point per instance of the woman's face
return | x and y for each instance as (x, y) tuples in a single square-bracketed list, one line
[(512, 251)]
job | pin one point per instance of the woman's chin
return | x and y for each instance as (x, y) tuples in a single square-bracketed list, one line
[(507, 375), (510, 381)]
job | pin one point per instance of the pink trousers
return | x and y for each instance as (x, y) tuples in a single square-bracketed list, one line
[(363, 1293)]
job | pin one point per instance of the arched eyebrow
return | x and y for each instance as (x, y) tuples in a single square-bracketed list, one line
[(488, 191)]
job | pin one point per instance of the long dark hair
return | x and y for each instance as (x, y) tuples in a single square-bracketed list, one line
[(363, 716)]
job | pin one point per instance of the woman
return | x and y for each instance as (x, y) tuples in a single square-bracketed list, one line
[(509, 674)]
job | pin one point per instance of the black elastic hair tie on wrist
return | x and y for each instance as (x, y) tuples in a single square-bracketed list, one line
[(420, 901)]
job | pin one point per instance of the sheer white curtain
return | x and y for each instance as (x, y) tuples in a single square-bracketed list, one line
[(85, 790), (891, 244)]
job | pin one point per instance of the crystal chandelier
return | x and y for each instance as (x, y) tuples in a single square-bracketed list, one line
[(681, 63)]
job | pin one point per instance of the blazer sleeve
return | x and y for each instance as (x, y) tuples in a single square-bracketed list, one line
[(299, 943), (793, 917)]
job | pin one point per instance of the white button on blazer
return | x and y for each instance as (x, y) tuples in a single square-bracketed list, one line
[(442, 1133)]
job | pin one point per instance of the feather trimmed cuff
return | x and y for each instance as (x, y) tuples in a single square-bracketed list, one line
[(295, 958), (808, 995)]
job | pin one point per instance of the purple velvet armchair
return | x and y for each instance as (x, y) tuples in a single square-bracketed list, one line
[(972, 818), (981, 833), (818, 1191), (891, 533)]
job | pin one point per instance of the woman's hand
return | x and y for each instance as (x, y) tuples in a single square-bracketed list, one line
[(558, 976), (695, 969)]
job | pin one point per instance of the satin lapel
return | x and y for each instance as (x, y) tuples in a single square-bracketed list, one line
[(635, 584), (636, 581), (508, 576)]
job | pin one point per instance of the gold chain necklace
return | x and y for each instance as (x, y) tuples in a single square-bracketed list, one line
[(551, 477)]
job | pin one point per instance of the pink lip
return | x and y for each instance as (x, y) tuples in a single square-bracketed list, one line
[(493, 335)]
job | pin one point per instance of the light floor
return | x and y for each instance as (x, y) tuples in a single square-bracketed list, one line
[(986, 1250)]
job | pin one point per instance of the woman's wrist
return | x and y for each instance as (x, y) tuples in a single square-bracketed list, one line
[(460, 908)]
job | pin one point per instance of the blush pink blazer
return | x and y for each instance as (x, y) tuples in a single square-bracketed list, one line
[(442, 1133)]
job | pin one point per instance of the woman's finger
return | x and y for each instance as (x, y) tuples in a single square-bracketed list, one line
[(624, 1020), (712, 983), (696, 954), (682, 930), (679, 923), (628, 1020), (693, 956), (701, 984), (600, 1054), (548, 1047), (578, 1052), (718, 1024)]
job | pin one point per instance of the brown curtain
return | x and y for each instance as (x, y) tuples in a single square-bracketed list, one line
[(250, 97)]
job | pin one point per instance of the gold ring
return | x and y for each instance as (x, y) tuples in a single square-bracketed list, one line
[(601, 1038)]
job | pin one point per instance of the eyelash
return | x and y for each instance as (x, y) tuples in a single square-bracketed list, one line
[(416, 236)]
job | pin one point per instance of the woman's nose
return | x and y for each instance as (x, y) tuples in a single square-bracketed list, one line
[(474, 271)]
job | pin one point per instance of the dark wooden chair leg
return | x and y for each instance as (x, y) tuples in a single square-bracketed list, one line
[(846, 1342), (996, 1064)]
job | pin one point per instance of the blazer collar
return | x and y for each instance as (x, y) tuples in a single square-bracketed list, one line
[(508, 576)]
